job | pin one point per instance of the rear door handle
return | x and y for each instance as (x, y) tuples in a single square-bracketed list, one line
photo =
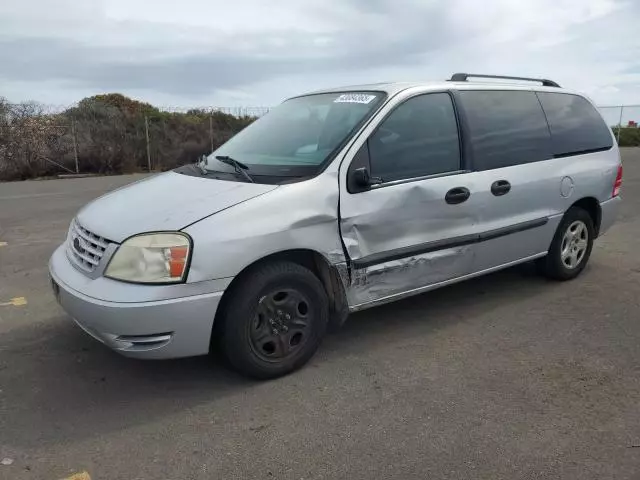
[(500, 187), (457, 195)]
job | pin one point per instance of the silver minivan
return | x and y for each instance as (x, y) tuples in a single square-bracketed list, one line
[(334, 202)]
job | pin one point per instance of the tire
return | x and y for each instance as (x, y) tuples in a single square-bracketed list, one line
[(560, 264), (275, 297)]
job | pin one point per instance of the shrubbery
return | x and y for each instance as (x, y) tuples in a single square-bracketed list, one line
[(629, 136), (107, 134)]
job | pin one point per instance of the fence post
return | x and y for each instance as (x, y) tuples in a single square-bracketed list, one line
[(146, 131), (211, 128), (620, 123), (75, 144)]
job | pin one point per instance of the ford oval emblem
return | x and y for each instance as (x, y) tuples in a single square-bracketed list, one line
[(77, 245)]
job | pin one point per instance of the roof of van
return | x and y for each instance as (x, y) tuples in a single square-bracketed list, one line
[(391, 88)]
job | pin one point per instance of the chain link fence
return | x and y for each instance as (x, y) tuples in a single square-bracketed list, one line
[(127, 136), (98, 137)]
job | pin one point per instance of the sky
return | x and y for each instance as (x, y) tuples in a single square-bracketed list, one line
[(257, 53)]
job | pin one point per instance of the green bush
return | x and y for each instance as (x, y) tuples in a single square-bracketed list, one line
[(629, 136)]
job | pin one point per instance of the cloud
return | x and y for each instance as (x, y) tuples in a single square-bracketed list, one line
[(208, 52)]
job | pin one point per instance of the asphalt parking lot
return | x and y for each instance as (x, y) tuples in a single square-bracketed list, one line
[(505, 377)]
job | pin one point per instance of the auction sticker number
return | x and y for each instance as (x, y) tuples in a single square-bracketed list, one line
[(354, 98)]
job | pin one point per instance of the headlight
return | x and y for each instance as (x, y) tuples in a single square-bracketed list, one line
[(151, 258)]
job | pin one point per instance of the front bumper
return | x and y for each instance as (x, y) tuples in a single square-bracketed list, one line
[(154, 329)]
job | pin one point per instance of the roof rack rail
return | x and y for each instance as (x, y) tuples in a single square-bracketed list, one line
[(463, 77)]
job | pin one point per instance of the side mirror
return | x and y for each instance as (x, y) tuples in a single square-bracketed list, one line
[(362, 178)]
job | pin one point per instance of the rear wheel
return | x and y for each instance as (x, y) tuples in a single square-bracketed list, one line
[(571, 246), (274, 320)]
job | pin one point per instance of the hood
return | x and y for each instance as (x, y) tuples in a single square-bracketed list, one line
[(168, 201)]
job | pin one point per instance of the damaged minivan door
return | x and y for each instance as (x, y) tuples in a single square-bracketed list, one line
[(407, 208)]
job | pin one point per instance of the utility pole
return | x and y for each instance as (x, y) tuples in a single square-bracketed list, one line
[(620, 123), (211, 128), (75, 144), (146, 129)]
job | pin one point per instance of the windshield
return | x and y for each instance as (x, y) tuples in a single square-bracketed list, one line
[(299, 135)]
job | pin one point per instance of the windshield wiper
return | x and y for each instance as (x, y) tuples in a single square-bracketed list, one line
[(200, 165), (238, 166)]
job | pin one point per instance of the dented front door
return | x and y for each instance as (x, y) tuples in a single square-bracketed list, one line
[(416, 226), (405, 237)]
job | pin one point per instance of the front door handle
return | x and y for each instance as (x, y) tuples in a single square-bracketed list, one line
[(500, 187), (457, 195)]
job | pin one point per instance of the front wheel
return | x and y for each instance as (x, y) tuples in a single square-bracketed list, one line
[(274, 320), (571, 246)]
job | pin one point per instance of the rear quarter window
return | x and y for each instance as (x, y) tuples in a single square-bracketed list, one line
[(505, 128), (576, 126)]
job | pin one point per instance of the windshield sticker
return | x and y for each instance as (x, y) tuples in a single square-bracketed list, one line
[(354, 98)]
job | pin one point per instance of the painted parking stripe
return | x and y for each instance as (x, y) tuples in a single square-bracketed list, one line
[(32, 242), (14, 302), (79, 476)]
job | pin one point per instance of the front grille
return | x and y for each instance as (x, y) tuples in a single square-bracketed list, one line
[(85, 248)]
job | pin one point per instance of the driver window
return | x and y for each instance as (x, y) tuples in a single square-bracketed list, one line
[(420, 137)]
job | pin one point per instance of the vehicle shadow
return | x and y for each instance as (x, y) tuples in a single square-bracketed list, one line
[(443, 307), (55, 376)]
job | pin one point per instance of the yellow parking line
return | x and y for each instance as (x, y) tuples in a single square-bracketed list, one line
[(15, 302), (3, 244), (79, 476)]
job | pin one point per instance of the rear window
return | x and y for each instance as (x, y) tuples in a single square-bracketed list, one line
[(576, 126), (505, 127)]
